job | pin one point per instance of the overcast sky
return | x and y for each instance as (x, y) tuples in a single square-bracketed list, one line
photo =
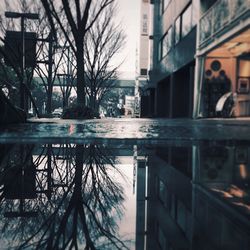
[(129, 14)]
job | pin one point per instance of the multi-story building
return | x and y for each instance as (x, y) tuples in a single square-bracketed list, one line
[(194, 198), (199, 58)]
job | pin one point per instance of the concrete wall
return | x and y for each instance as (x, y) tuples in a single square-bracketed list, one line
[(179, 56)]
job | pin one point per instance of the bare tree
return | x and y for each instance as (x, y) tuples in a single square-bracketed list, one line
[(80, 16), (67, 75), (81, 214), (102, 43), (49, 67)]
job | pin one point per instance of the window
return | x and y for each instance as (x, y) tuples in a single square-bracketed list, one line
[(177, 25), (186, 21), (144, 72), (160, 50), (183, 24), (160, 7), (181, 215), (173, 206), (161, 238), (165, 43), (162, 192), (165, 4)]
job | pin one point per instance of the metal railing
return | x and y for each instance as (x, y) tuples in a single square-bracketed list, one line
[(219, 16)]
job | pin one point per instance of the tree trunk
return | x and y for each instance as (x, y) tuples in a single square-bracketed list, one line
[(80, 74), (49, 102)]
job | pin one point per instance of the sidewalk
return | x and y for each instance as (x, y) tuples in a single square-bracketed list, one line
[(129, 129)]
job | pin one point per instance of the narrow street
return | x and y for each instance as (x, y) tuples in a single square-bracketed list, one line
[(125, 125)]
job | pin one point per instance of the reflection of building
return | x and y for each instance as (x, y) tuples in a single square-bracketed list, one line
[(169, 208), (197, 198), (200, 50), (221, 197)]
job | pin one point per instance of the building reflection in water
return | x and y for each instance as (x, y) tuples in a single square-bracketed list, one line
[(73, 197), (198, 198)]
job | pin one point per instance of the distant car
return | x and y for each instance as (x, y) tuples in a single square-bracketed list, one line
[(57, 112)]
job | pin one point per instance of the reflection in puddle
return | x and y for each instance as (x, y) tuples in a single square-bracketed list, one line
[(61, 196), (94, 196)]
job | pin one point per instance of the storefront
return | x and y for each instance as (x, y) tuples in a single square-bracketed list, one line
[(225, 90), (222, 77)]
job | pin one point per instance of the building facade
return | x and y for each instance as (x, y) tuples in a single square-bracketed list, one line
[(199, 58), (195, 197)]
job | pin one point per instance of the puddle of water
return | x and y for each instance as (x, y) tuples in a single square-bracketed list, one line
[(125, 195)]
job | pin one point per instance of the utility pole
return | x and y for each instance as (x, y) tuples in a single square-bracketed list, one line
[(65, 88), (50, 87), (50, 63), (23, 17)]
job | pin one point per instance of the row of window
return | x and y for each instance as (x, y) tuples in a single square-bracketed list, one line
[(176, 208), (182, 26)]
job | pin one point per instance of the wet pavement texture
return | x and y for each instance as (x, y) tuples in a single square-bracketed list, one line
[(125, 184), (129, 129)]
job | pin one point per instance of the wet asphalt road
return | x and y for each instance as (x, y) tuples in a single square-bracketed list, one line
[(127, 129)]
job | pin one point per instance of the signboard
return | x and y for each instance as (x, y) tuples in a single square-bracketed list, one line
[(144, 38), (13, 48), (144, 24), (129, 101)]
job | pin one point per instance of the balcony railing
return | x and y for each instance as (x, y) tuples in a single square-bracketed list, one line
[(219, 16)]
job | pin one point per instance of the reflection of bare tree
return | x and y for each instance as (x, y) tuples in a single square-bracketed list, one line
[(17, 184), (85, 207)]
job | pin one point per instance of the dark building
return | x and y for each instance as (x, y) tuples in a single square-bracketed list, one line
[(173, 58), (196, 198), (200, 58)]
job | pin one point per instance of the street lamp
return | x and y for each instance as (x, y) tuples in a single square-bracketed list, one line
[(23, 16)]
